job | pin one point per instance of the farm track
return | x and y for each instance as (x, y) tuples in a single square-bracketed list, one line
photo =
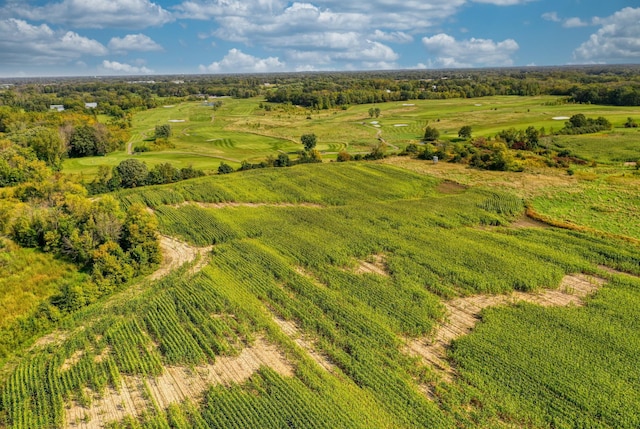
[(138, 394), (464, 313)]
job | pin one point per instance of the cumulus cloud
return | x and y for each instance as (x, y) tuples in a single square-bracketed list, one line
[(96, 13), (574, 23), (23, 43), (237, 61), (451, 53), (618, 39), (115, 67), (335, 14), (134, 42)]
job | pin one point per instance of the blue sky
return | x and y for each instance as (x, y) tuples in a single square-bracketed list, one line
[(111, 37)]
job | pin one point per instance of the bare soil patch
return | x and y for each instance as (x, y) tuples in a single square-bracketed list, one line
[(56, 337), (292, 331), (449, 187), (74, 359), (175, 385), (176, 253), (375, 264), (527, 222), (464, 313)]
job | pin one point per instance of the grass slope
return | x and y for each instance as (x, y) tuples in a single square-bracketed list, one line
[(289, 250)]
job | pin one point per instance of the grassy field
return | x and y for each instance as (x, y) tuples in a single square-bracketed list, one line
[(241, 130), (28, 278), (319, 277)]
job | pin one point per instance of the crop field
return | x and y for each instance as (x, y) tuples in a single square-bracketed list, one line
[(319, 279), (241, 130)]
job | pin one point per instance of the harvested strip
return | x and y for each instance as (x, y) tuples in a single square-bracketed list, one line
[(292, 331), (464, 314), (176, 253), (176, 385)]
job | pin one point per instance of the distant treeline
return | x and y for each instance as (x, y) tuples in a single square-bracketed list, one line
[(613, 85)]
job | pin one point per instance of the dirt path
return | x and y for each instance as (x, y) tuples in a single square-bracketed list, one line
[(176, 253), (379, 137), (176, 384), (464, 313)]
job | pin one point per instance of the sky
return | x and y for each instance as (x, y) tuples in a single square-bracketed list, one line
[(145, 37)]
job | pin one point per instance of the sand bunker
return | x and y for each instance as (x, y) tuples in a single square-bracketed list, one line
[(177, 120), (560, 118), (401, 125), (408, 104), (169, 107)]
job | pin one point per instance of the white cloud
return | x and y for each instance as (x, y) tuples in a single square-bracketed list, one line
[(393, 37), (618, 39), (121, 68), (451, 53), (237, 61), (97, 13), (551, 16), (23, 43), (574, 23), (134, 42)]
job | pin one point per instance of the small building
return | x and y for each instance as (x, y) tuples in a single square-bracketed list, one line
[(90, 105), (58, 107)]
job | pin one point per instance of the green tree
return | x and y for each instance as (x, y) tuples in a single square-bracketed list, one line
[(282, 160), (578, 121), (465, 132), (631, 123), (309, 141), (163, 131), (47, 144), (132, 173), (224, 168), (532, 137), (431, 134)]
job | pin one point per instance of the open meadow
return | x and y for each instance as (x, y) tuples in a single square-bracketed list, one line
[(241, 130)]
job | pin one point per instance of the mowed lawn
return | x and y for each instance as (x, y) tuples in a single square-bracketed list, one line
[(242, 129)]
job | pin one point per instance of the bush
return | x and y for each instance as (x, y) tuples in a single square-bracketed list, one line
[(225, 168)]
